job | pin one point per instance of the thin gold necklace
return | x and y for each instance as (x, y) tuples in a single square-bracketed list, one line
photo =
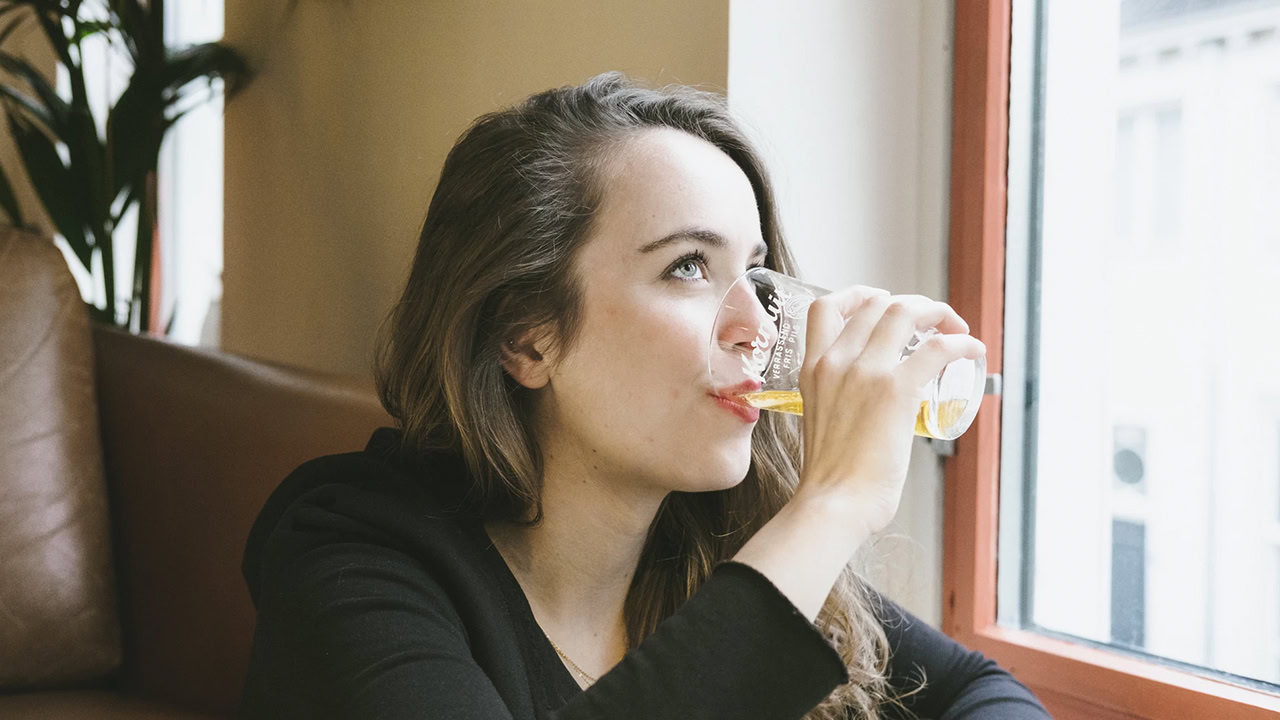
[(590, 680)]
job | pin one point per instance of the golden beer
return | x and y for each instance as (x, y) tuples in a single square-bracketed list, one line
[(789, 401)]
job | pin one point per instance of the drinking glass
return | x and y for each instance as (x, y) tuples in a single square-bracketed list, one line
[(757, 350)]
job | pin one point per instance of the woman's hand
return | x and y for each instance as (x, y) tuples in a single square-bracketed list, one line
[(860, 402), (860, 407)]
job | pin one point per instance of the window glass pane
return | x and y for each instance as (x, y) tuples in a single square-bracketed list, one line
[(1128, 583), (1145, 162), (190, 190)]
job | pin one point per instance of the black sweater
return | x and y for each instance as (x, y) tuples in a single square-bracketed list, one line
[(375, 602)]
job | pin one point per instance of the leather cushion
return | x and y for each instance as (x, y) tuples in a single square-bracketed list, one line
[(58, 621), (194, 440)]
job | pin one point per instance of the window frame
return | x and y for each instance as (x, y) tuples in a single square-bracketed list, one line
[(1073, 680)]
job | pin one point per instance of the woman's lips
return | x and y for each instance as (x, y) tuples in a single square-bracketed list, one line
[(745, 412)]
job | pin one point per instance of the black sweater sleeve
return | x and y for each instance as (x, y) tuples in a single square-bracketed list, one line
[(737, 649), (960, 684)]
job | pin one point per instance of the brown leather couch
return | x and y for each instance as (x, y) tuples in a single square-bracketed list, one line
[(130, 471)]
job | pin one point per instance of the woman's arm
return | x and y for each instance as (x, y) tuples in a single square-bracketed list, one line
[(962, 684), (806, 545)]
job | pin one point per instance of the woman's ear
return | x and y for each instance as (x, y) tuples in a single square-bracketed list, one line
[(523, 360)]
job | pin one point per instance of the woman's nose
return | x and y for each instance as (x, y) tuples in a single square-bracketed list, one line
[(745, 323)]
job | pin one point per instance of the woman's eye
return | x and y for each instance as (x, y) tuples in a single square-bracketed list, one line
[(693, 267), (687, 270)]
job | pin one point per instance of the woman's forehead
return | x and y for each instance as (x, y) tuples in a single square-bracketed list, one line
[(665, 180)]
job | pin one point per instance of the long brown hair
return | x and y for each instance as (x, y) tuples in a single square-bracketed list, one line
[(515, 201)]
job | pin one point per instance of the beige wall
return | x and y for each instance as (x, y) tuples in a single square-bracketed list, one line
[(333, 152), (29, 43)]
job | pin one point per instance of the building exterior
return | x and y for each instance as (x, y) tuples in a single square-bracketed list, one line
[(1157, 468)]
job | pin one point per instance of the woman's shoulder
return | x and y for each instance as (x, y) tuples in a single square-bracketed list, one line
[(368, 498), (373, 480)]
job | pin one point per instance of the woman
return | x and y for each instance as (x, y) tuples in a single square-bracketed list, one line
[(569, 521)]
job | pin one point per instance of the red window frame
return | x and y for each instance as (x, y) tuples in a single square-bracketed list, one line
[(1074, 681)]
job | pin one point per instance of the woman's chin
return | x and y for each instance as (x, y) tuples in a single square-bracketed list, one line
[(720, 465), (722, 478)]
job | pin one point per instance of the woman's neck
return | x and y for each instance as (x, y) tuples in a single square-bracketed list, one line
[(577, 565)]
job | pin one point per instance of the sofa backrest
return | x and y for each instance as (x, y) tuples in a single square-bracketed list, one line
[(194, 441), (131, 469), (58, 623)]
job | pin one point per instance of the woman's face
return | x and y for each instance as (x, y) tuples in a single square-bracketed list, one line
[(632, 398)]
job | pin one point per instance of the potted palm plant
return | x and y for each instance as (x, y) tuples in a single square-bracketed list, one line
[(105, 168)]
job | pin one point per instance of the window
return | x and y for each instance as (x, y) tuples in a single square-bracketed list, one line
[(1266, 191), (1275, 617), (190, 193), (1157, 337), (1128, 583), (189, 247), (1148, 177), (1112, 231)]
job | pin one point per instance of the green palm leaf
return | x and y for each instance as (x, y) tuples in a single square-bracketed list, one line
[(137, 123), (197, 62), (52, 110), (135, 129), (9, 201), (50, 179)]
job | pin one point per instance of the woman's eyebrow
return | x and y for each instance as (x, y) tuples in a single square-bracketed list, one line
[(698, 235)]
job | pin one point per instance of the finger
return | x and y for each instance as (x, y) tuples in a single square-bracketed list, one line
[(936, 352), (827, 317), (857, 333), (905, 317)]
